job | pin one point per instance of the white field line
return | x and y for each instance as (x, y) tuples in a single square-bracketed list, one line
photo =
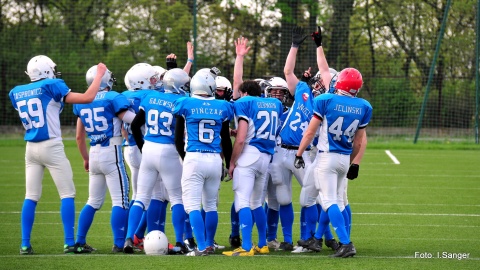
[(392, 157)]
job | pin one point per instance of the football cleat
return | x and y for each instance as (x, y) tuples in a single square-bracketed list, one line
[(217, 246), (345, 251), (262, 250), (128, 247), (116, 249), (332, 243), (197, 252), (311, 243), (26, 250), (190, 243), (285, 246), (240, 252), (210, 250), (300, 249), (82, 248), (137, 243), (235, 241), (273, 244), (68, 249)]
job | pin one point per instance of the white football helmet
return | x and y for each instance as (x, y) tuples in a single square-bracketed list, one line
[(214, 71), (108, 80), (276, 83), (142, 76), (177, 81), (203, 83), (334, 74), (223, 83), (127, 81), (155, 243), (161, 72), (40, 67)]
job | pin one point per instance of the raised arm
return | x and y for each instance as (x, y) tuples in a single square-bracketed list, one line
[(89, 95), (321, 59), (241, 48), (297, 38), (190, 55)]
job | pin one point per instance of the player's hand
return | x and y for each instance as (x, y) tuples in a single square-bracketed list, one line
[(297, 36), (299, 162), (233, 132), (101, 69), (317, 37), (86, 165), (353, 171), (307, 75), (241, 46), (171, 61), (230, 170)]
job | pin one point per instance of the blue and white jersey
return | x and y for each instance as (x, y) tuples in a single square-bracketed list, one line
[(159, 119), (263, 117), (341, 117), (100, 117), (39, 105), (203, 120), (299, 116), (134, 97)]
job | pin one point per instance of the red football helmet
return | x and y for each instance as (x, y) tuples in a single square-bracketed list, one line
[(349, 81)]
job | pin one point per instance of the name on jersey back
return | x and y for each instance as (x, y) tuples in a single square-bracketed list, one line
[(348, 109), (263, 105), (206, 111), (28, 93), (161, 102)]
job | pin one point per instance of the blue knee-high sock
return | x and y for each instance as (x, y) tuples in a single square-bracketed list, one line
[(211, 223), (28, 217), (265, 207), (235, 221), (178, 221), (117, 220), (188, 227), (346, 220), (338, 223), (349, 212), (163, 216), (198, 227), (153, 216), (84, 222), (134, 218), (311, 218), (303, 225), (286, 218), (323, 224), (261, 221), (67, 211), (272, 224), (142, 225), (245, 216)]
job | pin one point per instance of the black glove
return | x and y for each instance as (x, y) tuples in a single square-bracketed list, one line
[(171, 63), (297, 36), (353, 171), (317, 37), (299, 162), (307, 77)]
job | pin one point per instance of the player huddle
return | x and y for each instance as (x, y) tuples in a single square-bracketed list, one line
[(174, 132)]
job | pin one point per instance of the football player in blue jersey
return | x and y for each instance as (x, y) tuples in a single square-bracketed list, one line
[(343, 118), (133, 156), (291, 134), (258, 121), (206, 121), (39, 105), (101, 121), (160, 161)]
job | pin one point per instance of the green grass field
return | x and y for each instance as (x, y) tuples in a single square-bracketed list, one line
[(427, 204)]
